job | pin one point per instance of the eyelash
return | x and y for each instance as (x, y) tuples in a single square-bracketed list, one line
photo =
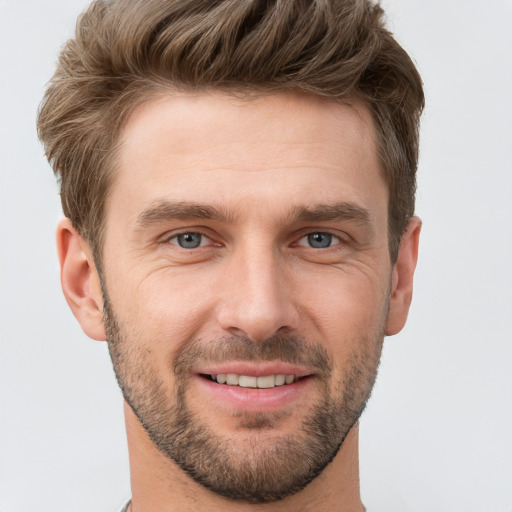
[(331, 237), (183, 233), (337, 239)]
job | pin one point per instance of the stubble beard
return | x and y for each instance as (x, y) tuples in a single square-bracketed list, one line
[(267, 467)]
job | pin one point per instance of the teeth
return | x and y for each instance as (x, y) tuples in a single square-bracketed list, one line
[(268, 381), (249, 381), (280, 380), (232, 379)]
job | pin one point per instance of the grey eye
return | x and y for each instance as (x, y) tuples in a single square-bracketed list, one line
[(319, 240), (189, 240)]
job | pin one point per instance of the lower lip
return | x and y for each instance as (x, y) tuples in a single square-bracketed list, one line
[(256, 399)]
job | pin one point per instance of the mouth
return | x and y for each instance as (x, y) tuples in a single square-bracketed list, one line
[(252, 387), (253, 381)]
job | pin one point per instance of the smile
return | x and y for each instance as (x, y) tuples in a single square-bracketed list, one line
[(251, 381), (254, 386)]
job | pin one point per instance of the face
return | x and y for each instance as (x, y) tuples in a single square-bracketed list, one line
[(246, 283)]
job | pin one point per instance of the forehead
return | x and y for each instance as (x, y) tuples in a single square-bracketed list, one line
[(282, 150)]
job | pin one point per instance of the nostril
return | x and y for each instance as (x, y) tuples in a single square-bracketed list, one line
[(258, 316)]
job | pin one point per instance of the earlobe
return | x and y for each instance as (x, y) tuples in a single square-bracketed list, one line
[(80, 280), (402, 278)]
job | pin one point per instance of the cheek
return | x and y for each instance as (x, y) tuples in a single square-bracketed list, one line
[(166, 310), (348, 314)]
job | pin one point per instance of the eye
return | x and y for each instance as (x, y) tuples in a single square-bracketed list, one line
[(319, 240), (189, 240)]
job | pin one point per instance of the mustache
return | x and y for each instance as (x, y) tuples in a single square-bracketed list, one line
[(286, 348)]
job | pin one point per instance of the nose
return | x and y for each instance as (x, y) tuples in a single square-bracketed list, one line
[(257, 297)]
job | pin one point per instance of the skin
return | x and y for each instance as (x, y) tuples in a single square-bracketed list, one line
[(255, 276)]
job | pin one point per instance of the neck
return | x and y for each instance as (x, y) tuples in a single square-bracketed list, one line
[(158, 485)]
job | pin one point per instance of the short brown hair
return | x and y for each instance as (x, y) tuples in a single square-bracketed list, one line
[(126, 50)]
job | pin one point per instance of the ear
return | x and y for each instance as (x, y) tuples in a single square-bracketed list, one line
[(402, 278), (80, 280)]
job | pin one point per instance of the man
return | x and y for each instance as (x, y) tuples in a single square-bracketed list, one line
[(238, 182)]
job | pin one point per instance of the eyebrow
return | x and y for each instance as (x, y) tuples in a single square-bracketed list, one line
[(334, 212), (164, 211)]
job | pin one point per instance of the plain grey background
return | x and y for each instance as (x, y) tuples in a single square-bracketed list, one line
[(437, 435)]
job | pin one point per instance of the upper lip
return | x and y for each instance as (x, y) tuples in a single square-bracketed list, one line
[(255, 369)]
